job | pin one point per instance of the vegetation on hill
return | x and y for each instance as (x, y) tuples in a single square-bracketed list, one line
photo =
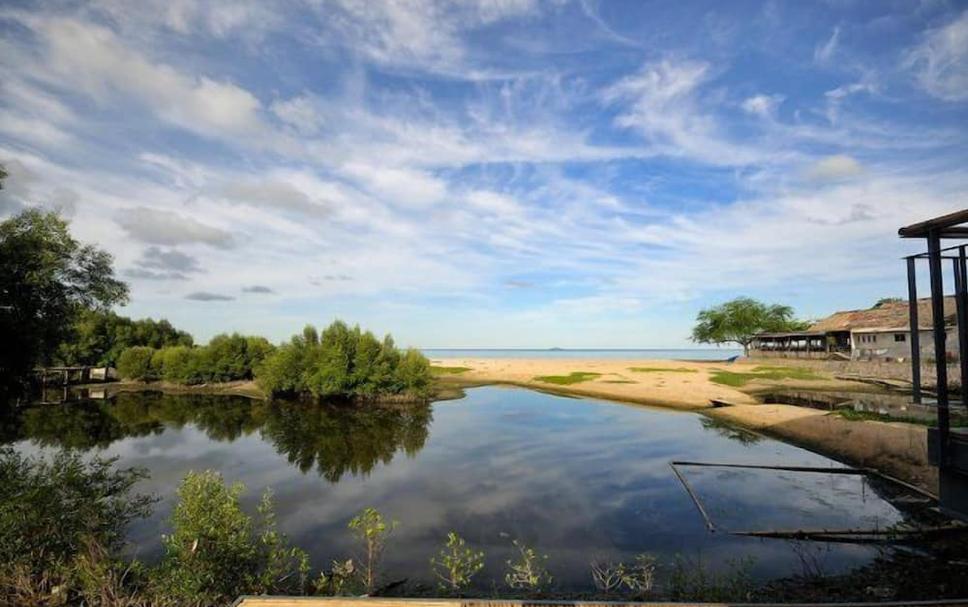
[(344, 362), (739, 320)]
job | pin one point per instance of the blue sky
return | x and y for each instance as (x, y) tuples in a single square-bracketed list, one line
[(502, 173)]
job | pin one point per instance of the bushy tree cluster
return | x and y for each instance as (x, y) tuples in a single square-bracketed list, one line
[(224, 358), (46, 279), (344, 362), (101, 336)]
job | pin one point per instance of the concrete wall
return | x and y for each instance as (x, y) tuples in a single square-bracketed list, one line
[(881, 346), (875, 368)]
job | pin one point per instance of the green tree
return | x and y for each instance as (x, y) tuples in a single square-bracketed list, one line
[(739, 320), (137, 363), (46, 279), (343, 362), (99, 337)]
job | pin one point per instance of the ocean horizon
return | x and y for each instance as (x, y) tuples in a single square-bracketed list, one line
[(612, 353)]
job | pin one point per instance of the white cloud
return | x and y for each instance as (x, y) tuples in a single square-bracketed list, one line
[(834, 168), (663, 105), (156, 226), (275, 193), (940, 62), (419, 34), (764, 106), (220, 19), (299, 112), (92, 59), (824, 52), (406, 187)]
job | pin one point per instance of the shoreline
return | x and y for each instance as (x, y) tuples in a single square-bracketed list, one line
[(898, 449)]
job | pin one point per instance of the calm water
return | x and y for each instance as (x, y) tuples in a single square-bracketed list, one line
[(576, 478), (647, 353)]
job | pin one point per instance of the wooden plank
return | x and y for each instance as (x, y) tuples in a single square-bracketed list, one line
[(921, 229), (385, 602)]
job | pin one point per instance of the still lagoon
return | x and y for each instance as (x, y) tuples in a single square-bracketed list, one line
[(579, 479)]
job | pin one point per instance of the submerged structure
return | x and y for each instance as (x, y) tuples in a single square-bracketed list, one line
[(947, 446)]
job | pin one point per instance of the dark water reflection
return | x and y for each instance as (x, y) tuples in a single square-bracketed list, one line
[(576, 478)]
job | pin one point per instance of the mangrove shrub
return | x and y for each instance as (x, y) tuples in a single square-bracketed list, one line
[(56, 514), (217, 552), (344, 362), (224, 358)]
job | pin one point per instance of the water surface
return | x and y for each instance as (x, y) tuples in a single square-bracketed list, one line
[(578, 479)]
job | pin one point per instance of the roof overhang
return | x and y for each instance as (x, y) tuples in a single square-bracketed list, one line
[(945, 226)]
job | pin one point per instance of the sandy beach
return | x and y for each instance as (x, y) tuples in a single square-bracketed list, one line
[(667, 383)]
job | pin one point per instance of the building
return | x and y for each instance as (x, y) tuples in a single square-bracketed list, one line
[(879, 333)]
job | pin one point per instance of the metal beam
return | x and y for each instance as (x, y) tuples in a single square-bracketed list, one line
[(940, 358), (915, 332)]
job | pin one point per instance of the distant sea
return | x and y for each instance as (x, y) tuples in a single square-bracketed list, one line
[(642, 353)]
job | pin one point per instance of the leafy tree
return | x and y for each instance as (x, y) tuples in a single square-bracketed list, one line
[(739, 320), (46, 279), (100, 336), (344, 362), (136, 363)]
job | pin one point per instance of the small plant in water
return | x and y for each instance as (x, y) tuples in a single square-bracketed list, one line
[(372, 531), (456, 564), (637, 577), (341, 580), (528, 571), (690, 581)]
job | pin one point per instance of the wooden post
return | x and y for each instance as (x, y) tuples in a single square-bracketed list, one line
[(915, 331), (940, 355), (961, 319)]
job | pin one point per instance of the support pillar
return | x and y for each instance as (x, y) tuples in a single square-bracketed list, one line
[(961, 298), (937, 312), (915, 331)]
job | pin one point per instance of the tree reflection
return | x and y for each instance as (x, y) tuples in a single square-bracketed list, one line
[(334, 440), (337, 440), (744, 437)]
